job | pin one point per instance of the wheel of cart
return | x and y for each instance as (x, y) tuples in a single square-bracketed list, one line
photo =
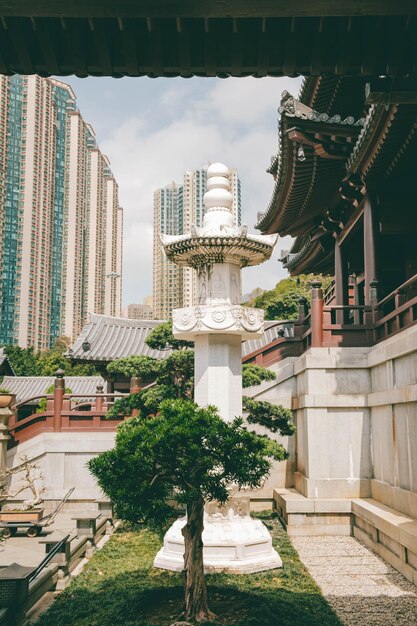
[(8, 531), (33, 531)]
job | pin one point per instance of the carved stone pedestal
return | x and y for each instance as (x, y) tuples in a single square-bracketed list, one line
[(233, 543)]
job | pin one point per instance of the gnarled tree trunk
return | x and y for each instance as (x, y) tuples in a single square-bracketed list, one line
[(196, 606)]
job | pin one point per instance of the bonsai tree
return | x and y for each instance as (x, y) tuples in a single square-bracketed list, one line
[(32, 480), (187, 453)]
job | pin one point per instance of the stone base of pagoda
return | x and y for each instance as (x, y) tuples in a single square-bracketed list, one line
[(235, 544)]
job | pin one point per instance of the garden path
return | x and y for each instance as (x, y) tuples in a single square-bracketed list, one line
[(360, 587)]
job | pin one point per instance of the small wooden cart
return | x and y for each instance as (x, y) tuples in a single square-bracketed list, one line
[(33, 521)]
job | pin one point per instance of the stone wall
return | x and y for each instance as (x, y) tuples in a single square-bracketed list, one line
[(62, 458), (356, 417)]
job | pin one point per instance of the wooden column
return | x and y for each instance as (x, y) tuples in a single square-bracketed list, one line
[(316, 314), (99, 400), (354, 283), (341, 281), (370, 246), (59, 392)]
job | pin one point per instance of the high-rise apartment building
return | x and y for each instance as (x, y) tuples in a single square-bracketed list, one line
[(176, 208), (140, 312), (57, 199)]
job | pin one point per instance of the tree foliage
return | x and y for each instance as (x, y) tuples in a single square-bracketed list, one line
[(162, 338), (253, 375), (27, 362), (281, 303), (188, 454), (184, 449), (145, 367)]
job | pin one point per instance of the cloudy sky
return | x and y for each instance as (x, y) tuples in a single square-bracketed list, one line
[(154, 130)]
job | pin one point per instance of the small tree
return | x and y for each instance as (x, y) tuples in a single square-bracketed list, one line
[(188, 453), (32, 475)]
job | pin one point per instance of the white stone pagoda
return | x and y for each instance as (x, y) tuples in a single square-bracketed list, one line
[(217, 324)]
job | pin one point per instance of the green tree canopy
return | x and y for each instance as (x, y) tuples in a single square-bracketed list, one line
[(27, 362), (281, 303), (145, 367), (162, 338)]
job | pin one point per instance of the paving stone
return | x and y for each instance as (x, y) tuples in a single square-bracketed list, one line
[(361, 587)]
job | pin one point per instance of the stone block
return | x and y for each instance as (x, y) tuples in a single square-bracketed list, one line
[(332, 505), (292, 501)]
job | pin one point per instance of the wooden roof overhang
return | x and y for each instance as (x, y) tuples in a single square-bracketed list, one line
[(310, 252), (314, 149), (382, 161), (200, 38)]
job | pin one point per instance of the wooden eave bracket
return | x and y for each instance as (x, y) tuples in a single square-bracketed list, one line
[(331, 150)]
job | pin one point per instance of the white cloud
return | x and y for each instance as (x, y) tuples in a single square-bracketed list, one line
[(234, 121)]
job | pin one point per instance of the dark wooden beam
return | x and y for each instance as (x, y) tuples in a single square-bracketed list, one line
[(391, 91), (202, 8)]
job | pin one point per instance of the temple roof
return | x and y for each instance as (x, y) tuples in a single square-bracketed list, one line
[(106, 338), (313, 150), (5, 364), (314, 195), (25, 387), (200, 38)]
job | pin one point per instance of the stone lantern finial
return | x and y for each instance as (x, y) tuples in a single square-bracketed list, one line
[(218, 199)]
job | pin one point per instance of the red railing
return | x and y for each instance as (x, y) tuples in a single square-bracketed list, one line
[(62, 416), (397, 311)]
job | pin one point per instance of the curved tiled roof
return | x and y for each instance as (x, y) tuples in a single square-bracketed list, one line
[(25, 387), (112, 338), (301, 184)]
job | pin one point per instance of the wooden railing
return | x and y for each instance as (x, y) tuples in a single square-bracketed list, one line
[(344, 325), (347, 326), (63, 416), (397, 311)]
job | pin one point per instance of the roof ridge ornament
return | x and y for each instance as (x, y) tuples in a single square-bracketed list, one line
[(292, 107)]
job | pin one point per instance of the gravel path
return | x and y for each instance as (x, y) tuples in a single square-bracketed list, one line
[(361, 588)]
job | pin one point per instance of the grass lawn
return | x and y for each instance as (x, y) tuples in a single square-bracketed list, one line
[(119, 586)]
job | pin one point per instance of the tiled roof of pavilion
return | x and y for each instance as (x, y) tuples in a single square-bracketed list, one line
[(25, 387), (109, 338)]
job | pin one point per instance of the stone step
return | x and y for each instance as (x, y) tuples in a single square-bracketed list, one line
[(313, 516)]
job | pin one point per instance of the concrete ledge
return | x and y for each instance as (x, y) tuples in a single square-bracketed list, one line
[(313, 516), (389, 533), (408, 393)]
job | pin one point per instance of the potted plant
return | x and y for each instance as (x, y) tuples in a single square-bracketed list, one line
[(7, 398)]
